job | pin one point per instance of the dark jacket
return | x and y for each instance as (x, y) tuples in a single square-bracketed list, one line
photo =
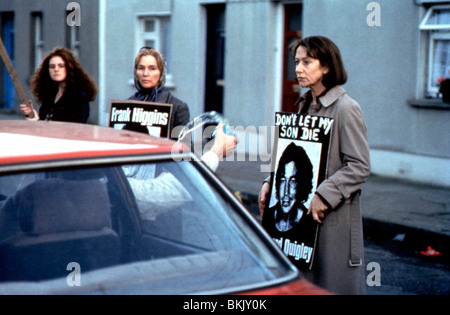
[(180, 111), (73, 106)]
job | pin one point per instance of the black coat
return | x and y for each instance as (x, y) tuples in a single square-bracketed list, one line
[(73, 106)]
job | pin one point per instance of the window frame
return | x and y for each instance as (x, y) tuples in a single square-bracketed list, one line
[(154, 36), (161, 37), (433, 32), (432, 86), (434, 27), (73, 37), (38, 39)]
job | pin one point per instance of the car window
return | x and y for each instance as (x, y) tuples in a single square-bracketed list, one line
[(159, 228)]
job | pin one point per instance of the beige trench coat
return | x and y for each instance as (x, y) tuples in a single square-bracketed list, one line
[(339, 259)]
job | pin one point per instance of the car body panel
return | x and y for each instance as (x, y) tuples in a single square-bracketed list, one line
[(56, 148), (25, 142)]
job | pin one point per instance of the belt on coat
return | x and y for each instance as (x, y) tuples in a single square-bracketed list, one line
[(355, 232)]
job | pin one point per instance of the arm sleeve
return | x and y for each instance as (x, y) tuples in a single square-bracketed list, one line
[(34, 118), (355, 157), (180, 117), (211, 159)]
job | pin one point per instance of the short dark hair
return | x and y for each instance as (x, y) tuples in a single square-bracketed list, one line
[(304, 175), (323, 49)]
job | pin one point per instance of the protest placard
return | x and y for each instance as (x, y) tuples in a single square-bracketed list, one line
[(147, 117), (299, 165)]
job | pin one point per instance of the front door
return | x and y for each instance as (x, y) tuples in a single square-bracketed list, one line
[(215, 58)]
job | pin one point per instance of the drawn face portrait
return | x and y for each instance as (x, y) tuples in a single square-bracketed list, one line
[(293, 178), (288, 187)]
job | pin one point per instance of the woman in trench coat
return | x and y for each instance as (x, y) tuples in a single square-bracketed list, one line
[(339, 258)]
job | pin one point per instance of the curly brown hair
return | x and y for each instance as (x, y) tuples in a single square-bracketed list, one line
[(77, 78)]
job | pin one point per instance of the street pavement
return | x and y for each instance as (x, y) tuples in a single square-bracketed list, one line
[(391, 208)]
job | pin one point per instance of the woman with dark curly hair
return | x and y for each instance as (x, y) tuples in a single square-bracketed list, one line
[(63, 88)]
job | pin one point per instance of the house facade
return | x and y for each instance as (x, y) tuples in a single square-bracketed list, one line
[(232, 56)]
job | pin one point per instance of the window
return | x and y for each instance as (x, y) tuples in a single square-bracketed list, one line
[(37, 40), (73, 39), (436, 26), (153, 30), (150, 32)]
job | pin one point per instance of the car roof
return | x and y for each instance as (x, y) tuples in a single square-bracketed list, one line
[(25, 141)]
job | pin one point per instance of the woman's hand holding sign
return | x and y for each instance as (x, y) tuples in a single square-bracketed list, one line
[(318, 208), (263, 194)]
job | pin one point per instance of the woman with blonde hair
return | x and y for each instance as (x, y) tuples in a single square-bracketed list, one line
[(150, 81)]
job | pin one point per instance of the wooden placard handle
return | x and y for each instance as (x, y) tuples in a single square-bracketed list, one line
[(12, 73)]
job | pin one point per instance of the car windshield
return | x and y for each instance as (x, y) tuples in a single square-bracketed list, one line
[(158, 228)]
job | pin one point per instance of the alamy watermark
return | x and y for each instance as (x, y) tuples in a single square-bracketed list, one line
[(74, 17), (374, 17), (73, 279), (373, 279), (254, 144)]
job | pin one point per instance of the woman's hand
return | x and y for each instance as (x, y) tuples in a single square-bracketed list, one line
[(27, 110), (223, 143), (263, 197), (318, 208)]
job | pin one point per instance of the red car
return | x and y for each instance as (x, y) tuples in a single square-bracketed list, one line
[(94, 210)]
